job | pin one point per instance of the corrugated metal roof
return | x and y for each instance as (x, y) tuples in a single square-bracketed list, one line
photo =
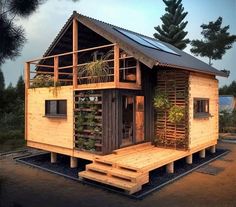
[(152, 57)]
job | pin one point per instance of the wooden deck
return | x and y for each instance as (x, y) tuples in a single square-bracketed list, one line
[(129, 168)]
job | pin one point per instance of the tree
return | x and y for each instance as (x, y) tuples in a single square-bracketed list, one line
[(172, 29), (216, 40), (228, 90), (20, 88), (12, 36)]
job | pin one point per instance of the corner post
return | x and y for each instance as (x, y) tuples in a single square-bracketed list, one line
[(138, 73), (56, 65), (75, 53), (27, 86), (116, 64)]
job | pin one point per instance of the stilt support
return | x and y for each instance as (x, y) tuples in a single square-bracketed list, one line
[(73, 162), (53, 157), (170, 167), (189, 159), (202, 153), (213, 149)]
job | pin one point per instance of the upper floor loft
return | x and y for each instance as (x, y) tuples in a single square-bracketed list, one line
[(101, 67)]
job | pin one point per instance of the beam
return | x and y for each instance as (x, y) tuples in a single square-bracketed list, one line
[(202, 153), (53, 157), (116, 64), (73, 162), (75, 54), (189, 159), (170, 167)]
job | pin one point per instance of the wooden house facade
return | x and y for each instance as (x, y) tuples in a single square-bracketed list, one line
[(92, 96)]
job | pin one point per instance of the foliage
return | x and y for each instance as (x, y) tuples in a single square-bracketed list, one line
[(176, 114), (12, 36), (12, 116), (42, 81), (216, 40), (172, 29), (161, 101), (227, 121), (90, 145), (228, 90), (96, 71)]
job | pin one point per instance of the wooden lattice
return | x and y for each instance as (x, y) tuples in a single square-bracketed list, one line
[(174, 83)]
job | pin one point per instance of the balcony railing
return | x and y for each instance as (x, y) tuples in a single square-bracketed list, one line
[(109, 68)]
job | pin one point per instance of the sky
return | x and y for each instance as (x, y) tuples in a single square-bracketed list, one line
[(137, 15)]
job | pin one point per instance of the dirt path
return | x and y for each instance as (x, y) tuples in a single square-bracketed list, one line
[(23, 186)]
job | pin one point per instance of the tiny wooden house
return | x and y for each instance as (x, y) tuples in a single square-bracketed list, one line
[(100, 88)]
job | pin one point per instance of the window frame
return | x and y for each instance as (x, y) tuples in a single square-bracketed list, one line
[(202, 114), (57, 114)]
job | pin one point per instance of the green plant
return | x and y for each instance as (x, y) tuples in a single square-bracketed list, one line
[(96, 71), (176, 114), (90, 145), (161, 101), (80, 142), (42, 81)]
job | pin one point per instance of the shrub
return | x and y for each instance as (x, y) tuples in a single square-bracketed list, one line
[(176, 114)]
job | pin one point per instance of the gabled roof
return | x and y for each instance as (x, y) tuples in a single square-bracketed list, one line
[(147, 55)]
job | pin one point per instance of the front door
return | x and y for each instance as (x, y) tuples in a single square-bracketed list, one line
[(132, 120)]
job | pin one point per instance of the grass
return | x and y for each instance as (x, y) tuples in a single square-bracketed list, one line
[(11, 140)]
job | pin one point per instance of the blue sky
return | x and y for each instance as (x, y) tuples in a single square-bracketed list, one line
[(140, 16)]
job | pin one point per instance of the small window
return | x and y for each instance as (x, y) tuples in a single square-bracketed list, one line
[(55, 108), (201, 107)]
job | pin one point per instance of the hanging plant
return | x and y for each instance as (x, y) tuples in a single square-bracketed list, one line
[(161, 101), (176, 114), (96, 71)]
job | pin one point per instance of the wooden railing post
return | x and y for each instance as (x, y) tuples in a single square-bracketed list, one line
[(75, 54), (138, 73), (116, 64), (56, 65), (27, 86), (27, 75)]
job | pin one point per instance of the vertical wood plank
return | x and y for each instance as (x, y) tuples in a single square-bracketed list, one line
[(116, 64), (56, 65), (75, 54)]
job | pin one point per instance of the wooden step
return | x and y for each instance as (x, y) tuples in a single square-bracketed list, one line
[(120, 173), (116, 182)]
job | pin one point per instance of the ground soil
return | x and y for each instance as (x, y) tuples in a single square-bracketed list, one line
[(23, 186)]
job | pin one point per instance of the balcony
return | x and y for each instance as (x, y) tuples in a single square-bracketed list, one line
[(102, 67)]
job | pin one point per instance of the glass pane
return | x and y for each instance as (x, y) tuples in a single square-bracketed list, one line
[(53, 107), (127, 120), (62, 107)]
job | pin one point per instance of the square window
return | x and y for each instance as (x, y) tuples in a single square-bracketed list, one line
[(201, 107), (55, 108)]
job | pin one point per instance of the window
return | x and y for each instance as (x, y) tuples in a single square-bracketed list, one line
[(201, 107), (55, 108)]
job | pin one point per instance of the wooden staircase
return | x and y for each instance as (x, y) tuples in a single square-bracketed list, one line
[(108, 172)]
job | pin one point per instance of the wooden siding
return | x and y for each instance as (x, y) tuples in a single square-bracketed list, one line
[(51, 131), (203, 130), (173, 83)]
